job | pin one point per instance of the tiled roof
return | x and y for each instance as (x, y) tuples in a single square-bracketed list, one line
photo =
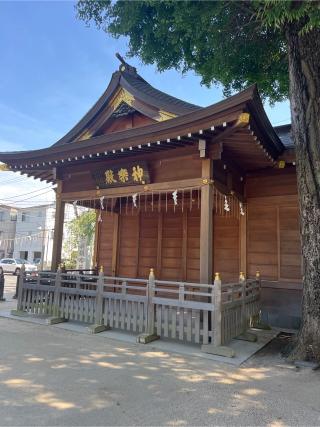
[(284, 133)]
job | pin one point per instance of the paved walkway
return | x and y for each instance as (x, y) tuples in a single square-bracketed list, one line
[(55, 377)]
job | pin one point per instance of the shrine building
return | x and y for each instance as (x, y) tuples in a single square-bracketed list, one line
[(184, 189)]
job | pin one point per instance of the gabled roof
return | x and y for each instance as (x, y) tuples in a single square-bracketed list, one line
[(127, 86), (238, 122)]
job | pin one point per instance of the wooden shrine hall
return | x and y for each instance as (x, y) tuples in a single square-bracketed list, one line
[(182, 189)]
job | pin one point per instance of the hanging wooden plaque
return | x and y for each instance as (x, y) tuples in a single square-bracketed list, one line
[(122, 175)]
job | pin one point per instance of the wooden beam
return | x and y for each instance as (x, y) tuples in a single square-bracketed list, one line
[(58, 229), (206, 226), (289, 155), (124, 191)]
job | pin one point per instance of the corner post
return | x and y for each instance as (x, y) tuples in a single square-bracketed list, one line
[(56, 318), (242, 281), (217, 314), (206, 223), (58, 228), (149, 335), (245, 335), (256, 321), (19, 293), (216, 348), (99, 325)]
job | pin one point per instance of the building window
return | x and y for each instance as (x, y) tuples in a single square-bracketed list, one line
[(1, 216), (36, 256), (13, 215), (24, 216), (24, 255)]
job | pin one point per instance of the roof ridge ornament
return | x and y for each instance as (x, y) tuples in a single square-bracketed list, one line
[(124, 65)]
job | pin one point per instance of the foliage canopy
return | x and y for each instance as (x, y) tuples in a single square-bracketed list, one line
[(235, 43)]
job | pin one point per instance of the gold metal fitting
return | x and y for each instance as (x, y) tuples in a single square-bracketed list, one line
[(205, 181), (217, 276), (145, 188), (101, 269), (242, 276), (244, 118), (258, 274)]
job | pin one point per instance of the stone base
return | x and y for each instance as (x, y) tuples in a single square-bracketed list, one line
[(55, 320), (146, 338), (247, 336), (95, 329), (19, 313), (218, 350), (261, 325)]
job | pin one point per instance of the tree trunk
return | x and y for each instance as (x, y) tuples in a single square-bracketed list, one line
[(304, 75)]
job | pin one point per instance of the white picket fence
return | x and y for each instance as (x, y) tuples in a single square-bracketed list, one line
[(190, 312)]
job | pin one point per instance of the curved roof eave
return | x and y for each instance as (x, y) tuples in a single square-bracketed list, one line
[(248, 100)]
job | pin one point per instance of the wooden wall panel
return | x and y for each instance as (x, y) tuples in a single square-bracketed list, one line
[(79, 177), (171, 262), (173, 169), (226, 247), (193, 246), (262, 241), (104, 245), (273, 240), (276, 183), (290, 247), (148, 243), (128, 245)]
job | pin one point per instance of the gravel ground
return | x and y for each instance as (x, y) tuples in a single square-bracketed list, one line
[(54, 377)]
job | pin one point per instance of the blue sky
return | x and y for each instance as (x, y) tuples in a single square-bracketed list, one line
[(52, 70)]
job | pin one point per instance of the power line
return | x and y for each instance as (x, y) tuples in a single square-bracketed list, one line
[(25, 194), (28, 198)]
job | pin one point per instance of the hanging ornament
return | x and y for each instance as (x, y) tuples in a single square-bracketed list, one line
[(134, 199), (101, 203), (241, 209), (226, 204), (175, 197)]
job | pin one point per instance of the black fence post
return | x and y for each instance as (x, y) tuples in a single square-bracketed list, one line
[(15, 296), (1, 285)]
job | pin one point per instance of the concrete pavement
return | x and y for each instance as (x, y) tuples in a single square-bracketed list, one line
[(56, 377)]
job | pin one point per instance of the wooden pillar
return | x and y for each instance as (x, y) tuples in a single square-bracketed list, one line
[(58, 229), (206, 226)]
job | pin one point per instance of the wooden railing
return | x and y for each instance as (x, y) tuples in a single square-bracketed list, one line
[(191, 312)]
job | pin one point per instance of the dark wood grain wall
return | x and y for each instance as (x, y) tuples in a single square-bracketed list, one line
[(130, 244), (273, 242), (169, 242)]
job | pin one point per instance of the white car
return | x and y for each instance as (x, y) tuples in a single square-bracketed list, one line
[(13, 265)]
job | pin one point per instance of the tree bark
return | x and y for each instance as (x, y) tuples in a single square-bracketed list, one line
[(304, 77)]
